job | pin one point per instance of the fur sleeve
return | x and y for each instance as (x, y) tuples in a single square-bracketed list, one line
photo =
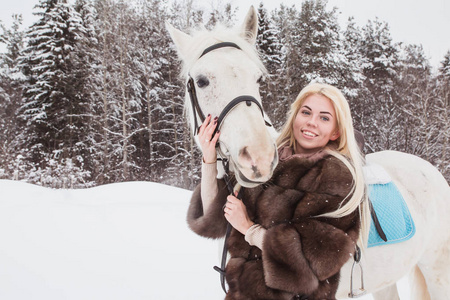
[(213, 224)]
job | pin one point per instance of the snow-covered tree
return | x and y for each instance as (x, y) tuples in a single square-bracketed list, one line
[(320, 48), (166, 153), (416, 101), (223, 14), (54, 114), (380, 120), (356, 91), (11, 81), (444, 69), (185, 14), (443, 116), (284, 20), (269, 47)]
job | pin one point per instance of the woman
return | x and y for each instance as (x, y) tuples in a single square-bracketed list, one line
[(292, 235)]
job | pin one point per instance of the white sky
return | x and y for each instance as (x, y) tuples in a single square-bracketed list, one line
[(411, 21)]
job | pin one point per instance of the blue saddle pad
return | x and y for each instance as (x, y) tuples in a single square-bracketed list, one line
[(393, 215)]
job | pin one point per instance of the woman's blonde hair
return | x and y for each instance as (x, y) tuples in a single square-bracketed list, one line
[(346, 150)]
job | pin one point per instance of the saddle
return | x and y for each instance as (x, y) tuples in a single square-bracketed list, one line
[(391, 219)]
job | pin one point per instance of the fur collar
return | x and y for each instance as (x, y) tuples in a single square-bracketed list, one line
[(286, 153)]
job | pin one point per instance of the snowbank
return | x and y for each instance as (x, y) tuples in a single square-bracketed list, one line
[(118, 241)]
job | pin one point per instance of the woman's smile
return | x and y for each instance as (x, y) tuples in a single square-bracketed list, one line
[(309, 134)]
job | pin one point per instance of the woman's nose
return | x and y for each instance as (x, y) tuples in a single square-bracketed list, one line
[(312, 122)]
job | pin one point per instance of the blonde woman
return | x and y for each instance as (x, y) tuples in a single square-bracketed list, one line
[(292, 235)]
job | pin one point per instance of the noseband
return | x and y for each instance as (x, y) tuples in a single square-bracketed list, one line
[(196, 106)]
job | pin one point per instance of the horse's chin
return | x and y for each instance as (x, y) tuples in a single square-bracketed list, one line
[(245, 182)]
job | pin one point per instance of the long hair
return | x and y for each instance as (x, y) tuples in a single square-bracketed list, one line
[(346, 150)]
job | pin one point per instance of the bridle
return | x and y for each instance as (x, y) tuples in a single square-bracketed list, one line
[(198, 113), (196, 109)]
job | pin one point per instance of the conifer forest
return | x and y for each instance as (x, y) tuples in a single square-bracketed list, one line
[(90, 94)]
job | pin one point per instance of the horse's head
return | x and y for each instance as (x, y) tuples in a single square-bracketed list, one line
[(225, 80)]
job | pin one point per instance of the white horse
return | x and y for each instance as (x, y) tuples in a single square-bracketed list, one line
[(224, 73)]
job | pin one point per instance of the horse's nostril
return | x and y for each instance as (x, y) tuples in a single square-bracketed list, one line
[(256, 172), (244, 154)]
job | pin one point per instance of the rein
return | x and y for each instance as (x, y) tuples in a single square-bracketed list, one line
[(231, 190)]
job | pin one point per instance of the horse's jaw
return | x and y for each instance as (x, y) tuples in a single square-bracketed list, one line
[(249, 181)]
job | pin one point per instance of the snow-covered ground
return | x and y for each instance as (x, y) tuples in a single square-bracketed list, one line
[(120, 241)]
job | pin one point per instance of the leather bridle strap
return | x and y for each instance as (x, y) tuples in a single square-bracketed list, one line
[(219, 45), (196, 109), (247, 99)]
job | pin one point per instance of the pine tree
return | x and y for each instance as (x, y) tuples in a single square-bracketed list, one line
[(354, 89), (443, 116), (284, 20), (88, 52), (444, 69), (221, 14), (10, 98), (269, 47), (164, 152), (52, 110), (380, 120), (320, 48), (416, 89)]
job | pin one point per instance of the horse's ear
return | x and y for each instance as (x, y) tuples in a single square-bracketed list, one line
[(249, 29), (180, 39)]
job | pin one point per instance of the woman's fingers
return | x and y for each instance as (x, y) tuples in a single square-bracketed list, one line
[(204, 125), (232, 203), (215, 138), (207, 140), (236, 214), (211, 127), (207, 128)]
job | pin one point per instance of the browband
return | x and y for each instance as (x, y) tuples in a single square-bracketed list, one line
[(219, 45)]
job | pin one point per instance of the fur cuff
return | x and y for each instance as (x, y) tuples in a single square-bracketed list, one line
[(213, 224)]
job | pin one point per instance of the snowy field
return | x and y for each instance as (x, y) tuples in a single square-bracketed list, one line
[(120, 241)]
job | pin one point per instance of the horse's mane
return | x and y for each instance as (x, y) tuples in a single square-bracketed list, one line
[(204, 38)]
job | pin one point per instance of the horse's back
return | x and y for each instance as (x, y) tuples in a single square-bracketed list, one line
[(403, 166), (426, 193), (423, 187)]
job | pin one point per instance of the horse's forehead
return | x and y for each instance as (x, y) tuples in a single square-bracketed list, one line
[(218, 62)]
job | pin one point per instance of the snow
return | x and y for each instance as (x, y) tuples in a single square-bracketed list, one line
[(118, 241)]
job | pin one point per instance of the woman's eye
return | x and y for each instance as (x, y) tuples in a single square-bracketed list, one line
[(202, 82), (306, 112), (325, 118)]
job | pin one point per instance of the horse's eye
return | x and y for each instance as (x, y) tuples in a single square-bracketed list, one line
[(260, 80), (202, 82)]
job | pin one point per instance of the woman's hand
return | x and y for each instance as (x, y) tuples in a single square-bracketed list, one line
[(236, 214), (207, 141)]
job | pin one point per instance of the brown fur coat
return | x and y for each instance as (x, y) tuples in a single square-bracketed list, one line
[(302, 254)]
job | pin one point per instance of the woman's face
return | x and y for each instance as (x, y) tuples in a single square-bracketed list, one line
[(315, 124)]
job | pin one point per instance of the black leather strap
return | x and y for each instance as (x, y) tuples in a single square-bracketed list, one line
[(221, 270), (219, 45), (196, 110), (376, 222), (247, 99)]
